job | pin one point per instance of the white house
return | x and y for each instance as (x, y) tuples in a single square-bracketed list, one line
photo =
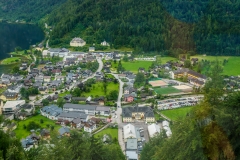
[(11, 106), (153, 130), (129, 131), (77, 42), (89, 127), (45, 53), (166, 127), (104, 43), (104, 111)]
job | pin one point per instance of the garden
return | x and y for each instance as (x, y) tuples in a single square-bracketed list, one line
[(35, 122)]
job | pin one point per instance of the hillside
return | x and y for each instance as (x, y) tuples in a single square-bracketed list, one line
[(27, 10), (166, 25)]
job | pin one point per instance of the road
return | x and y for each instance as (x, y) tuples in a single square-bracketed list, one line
[(118, 112), (29, 67)]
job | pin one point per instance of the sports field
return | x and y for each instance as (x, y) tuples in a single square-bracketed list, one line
[(174, 114), (166, 90)]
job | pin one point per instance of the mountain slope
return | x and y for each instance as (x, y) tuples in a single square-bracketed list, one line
[(203, 26), (28, 10)]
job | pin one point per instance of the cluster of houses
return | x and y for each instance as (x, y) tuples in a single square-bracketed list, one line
[(232, 83), (76, 115)]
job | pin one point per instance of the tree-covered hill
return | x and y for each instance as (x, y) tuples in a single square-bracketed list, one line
[(27, 10), (204, 26)]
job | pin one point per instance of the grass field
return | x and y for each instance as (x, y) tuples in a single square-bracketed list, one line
[(23, 133), (232, 66), (174, 114), (166, 90), (135, 65), (11, 60), (112, 131), (97, 89)]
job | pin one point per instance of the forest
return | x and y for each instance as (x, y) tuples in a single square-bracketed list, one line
[(27, 10), (167, 26)]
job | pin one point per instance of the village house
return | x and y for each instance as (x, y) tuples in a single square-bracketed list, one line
[(104, 43), (64, 131), (89, 126), (9, 96), (45, 134), (128, 98), (77, 42)]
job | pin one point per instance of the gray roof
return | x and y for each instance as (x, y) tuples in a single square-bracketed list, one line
[(127, 111), (131, 144), (101, 108), (63, 130), (82, 116), (78, 106)]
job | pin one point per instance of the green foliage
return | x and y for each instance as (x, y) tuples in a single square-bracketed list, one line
[(60, 102), (28, 10), (33, 125), (139, 80), (45, 102), (113, 95)]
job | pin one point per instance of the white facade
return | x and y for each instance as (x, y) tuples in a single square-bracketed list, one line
[(11, 106), (129, 131), (90, 129), (104, 43), (77, 42), (153, 130)]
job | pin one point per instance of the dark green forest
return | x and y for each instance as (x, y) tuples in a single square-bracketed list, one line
[(168, 26), (27, 10)]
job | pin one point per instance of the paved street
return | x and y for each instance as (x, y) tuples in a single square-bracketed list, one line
[(118, 113)]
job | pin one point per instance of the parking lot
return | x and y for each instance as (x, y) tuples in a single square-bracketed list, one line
[(178, 102)]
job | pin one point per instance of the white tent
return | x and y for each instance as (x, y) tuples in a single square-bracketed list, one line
[(129, 131), (153, 130)]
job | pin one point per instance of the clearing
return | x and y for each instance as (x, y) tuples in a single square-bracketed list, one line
[(23, 133), (97, 89), (174, 114), (166, 90)]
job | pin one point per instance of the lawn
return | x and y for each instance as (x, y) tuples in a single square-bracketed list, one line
[(97, 89), (135, 65), (174, 114), (166, 90), (63, 94), (166, 59), (11, 60), (23, 133), (112, 131), (232, 66)]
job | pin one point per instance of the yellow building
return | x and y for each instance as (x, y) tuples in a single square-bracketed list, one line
[(77, 42), (131, 114)]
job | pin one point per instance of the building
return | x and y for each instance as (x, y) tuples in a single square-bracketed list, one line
[(104, 111), (153, 130), (193, 77), (70, 116), (166, 127), (128, 98), (104, 43), (77, 42), (64, 131), (129, 131), (130, 114), (131, 155), (131, 144), (9, 96), (87, 109), (51, 112), (89, 126), (91, 49), (11, 107)]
